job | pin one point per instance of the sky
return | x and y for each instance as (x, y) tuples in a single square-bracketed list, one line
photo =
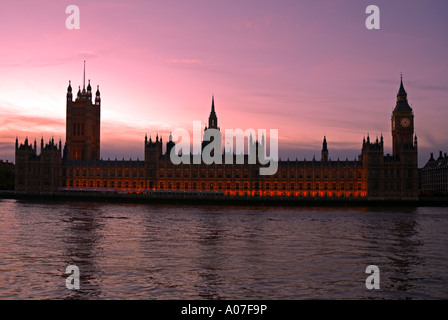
[(307, 68)]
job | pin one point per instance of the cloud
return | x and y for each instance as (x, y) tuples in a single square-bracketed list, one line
[(48, 61), (184, 61), (13, 124)]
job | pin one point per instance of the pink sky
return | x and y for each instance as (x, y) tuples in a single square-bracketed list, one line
[(306, 68)]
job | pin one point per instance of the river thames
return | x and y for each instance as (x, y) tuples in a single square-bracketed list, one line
[(138, 251)]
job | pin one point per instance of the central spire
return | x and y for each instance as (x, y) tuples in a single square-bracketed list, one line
[(213, 119)]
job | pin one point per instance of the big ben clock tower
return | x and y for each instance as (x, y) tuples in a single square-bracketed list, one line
[(402, 168), (402, 123)]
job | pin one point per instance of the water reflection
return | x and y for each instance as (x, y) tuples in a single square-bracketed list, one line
[(81, 236), (212, 255), (169, 252), (393, 242), (403, 252)]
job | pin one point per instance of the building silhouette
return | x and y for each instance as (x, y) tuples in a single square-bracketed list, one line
[(434, 176), (78, 166)]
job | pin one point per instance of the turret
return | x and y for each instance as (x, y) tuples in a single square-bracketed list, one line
[(169, 145), (97, 96), (324, 150), (69, 92)]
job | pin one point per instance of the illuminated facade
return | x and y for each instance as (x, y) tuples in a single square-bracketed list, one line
[(78, 167)]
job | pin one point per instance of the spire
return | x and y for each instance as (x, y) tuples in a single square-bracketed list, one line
[(84, 77), (324, 150), (213, 119), (401, 91), (402, 97), (324, 144)]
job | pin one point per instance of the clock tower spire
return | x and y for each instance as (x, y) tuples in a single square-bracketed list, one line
[(402, 123)]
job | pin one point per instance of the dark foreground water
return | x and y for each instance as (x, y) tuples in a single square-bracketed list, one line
[(194, 252)]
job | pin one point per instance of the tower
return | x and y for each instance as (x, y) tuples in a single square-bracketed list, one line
[(212, 124), (404, 149), (324, 150), (153, 152), (402, 123), (83, 123), (213, 119)]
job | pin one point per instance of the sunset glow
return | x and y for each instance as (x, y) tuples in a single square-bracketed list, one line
[(306, 68)]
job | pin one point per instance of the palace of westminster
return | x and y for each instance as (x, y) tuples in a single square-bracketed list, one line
[(77, 166)]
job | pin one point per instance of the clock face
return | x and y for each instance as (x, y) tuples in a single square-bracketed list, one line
[(405, 122)]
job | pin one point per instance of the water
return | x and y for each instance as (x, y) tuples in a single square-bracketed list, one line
[(192, 252)]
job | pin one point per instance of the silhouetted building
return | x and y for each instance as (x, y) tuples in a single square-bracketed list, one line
[(373, 175), (83, 124), (38, 172), (434, 176), (7, 171)]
